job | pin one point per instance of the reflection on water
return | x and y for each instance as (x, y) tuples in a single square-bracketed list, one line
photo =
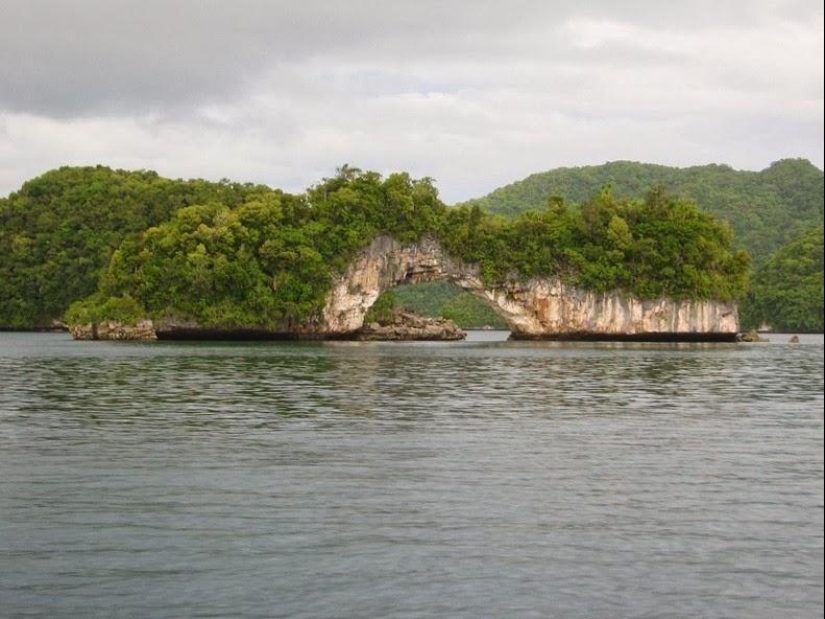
[(483, 478)]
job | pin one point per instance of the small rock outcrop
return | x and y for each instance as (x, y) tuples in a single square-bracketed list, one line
[(113, 330), (407, 326), (752, 336)]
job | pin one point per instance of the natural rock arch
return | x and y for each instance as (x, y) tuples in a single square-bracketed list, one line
[(537, 308), (543, 308), (385, 264)]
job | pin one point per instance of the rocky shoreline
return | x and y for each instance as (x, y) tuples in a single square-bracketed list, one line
[(405, 326)]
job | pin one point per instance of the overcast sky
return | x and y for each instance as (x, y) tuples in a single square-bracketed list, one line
[(474, 93)]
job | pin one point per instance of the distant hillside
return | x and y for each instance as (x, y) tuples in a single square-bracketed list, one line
[(766, 210)]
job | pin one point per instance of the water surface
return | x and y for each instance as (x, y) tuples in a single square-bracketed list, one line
[(410, 480)]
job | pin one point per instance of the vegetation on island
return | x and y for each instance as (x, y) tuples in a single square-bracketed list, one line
[(125, 245), (787, 291), (766, 210), (269, 263), (658, 246), (60, 229)]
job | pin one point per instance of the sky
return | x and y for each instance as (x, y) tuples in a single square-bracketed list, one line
[(475, 94)]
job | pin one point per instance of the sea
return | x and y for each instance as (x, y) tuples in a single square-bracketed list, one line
[(410, 480)]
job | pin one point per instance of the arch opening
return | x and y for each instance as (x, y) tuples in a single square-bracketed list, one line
[(441, 298)]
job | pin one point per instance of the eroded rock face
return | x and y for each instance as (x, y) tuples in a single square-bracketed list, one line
[(547, 308), (383, 265), (533, 309)]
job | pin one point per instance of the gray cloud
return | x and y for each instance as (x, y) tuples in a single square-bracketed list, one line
[(86, 56), (473, 93)]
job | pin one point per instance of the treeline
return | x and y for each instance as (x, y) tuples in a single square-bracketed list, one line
[(233, 255), (785, 294), (267, 263), (773, 214), (766, 210)]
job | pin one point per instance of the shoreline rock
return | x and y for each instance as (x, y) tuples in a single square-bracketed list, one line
[(408, 326), (752, 336), (143, 330)]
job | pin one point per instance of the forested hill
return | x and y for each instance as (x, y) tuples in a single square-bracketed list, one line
[(766, 210), (59, 230)]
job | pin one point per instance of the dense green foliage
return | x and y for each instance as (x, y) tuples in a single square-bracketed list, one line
[(267, 263), (59, 230), (655, 247), (97, 308), (239, 256), (383, 310), (765, 210), (787, 291)]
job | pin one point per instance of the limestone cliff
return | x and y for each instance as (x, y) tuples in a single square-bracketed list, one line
[(548, 309), (383, 265), (536, 308)]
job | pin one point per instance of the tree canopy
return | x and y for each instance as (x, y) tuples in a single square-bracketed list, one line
[(268, 263)]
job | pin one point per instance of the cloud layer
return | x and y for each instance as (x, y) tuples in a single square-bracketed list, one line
[(474, 94)]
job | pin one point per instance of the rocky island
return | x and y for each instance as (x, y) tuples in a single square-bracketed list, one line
[(129, 254), (276, 266)]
